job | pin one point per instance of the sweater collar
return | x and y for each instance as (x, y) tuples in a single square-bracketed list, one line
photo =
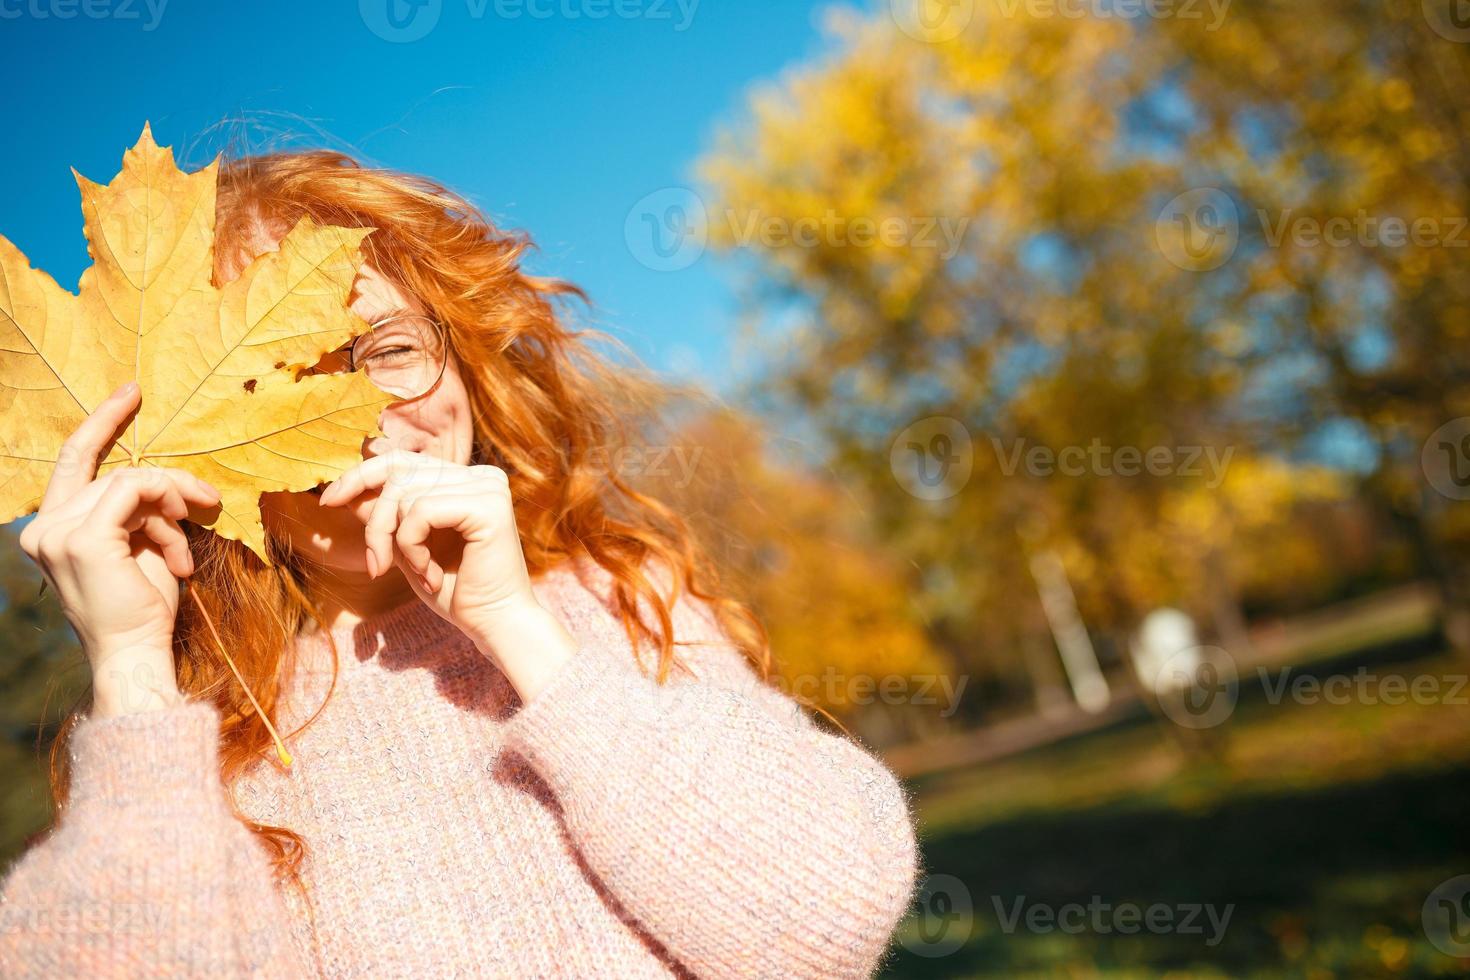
[(411, 634)]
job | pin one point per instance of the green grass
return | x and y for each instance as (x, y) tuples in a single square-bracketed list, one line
[(1324, 826)]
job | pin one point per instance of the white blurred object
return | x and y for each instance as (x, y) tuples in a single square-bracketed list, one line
[(1166, 655)]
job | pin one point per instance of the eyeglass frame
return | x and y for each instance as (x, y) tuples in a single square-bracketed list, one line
[(443, 348)]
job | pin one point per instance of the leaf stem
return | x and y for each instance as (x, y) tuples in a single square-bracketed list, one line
[(285, 756)]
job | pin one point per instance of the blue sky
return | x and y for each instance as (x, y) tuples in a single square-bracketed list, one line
[(556, 116)]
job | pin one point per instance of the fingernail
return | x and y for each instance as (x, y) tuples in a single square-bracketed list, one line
[(372, 564), (126, 389)]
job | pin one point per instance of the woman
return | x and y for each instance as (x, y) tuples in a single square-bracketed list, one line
[(488, 777)]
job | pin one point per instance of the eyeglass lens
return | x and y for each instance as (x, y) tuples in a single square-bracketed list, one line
[(403, 355)]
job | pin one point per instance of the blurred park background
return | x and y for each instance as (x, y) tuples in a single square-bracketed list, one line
[(1088, 421)]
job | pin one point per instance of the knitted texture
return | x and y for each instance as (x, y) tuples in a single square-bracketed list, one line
[(612, 827)]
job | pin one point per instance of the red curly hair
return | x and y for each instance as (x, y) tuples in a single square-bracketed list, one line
[(546, 406)]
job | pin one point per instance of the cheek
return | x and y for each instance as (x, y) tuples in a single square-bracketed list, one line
[(440, 423)]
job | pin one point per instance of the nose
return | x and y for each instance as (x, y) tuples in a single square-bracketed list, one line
[(389, 420)]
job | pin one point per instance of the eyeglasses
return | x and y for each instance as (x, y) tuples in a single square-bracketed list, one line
[(405, 355)]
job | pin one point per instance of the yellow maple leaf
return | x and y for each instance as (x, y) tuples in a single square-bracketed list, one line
[(218, 367)]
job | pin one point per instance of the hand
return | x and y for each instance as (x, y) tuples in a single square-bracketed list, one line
[(451, 530), (113, 551)]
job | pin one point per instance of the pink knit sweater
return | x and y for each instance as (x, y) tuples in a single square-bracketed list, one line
[(613, 827)]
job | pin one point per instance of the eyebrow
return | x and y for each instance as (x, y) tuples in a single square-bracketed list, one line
[(395, 311)]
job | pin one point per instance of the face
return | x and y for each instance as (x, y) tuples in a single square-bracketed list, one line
[(436, 424)]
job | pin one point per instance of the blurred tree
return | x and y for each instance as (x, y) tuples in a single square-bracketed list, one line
[(1341, 131), (839, 612), (1054, 278), (43, 676)]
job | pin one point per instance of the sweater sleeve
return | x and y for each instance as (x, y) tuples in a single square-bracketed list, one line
[(148, 872), (745, 839)]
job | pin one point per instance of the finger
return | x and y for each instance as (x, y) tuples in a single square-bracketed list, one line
[(195, 490), (188, 487), (76, 465), (176, 485), (421, 517), (373, 473), (381, 523), (118, 506), (412, 542), (79, 505), (357, 480), (170, 539)]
